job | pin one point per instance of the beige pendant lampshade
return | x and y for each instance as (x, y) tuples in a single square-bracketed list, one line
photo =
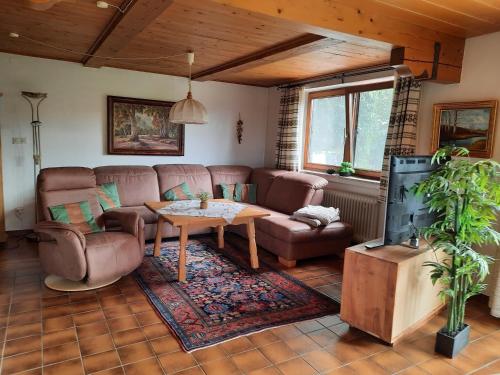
[(188, 111)]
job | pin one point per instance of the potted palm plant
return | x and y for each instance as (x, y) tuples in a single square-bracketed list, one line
[(346, 169), (465, 196), (203, 197)]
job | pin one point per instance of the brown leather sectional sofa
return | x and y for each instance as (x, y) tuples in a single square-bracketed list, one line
[(278, 192)]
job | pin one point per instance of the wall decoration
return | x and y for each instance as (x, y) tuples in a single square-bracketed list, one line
[(467, 124), (239, 129), (142, 127)]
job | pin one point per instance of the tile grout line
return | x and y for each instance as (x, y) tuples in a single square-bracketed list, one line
[(6, 329)]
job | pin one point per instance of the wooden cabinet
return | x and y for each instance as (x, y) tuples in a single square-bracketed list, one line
[(386, 291)]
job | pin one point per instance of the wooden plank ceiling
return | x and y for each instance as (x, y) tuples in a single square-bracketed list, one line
[(251, 42)]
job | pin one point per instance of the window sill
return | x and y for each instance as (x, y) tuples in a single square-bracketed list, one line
[(353, 183), (345, 180)]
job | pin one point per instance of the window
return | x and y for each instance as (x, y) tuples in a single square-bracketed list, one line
[(348, 124)]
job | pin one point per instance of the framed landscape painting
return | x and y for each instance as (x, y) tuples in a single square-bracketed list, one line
[(470, 125), (141, 127)]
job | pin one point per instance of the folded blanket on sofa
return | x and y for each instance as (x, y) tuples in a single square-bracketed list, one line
[(312, 222), (325, 215)]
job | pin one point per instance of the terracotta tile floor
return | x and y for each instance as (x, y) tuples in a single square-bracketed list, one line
[(115, 331)]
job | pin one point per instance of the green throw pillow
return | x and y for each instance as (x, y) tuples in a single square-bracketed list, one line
[(108, 197), (78, 214), (246, 193), (179, 193), (228, 191)]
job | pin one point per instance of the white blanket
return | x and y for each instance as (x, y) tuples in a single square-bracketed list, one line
[(325, 215), (225, 210)]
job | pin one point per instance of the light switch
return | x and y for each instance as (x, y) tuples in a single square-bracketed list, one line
[(18, 140)]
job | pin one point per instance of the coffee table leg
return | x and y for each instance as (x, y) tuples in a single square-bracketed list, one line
[(157, 247), (220, 236), (182, 253), (252, 245)]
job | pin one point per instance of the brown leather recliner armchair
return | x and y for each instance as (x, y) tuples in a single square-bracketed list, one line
[(75, 261)]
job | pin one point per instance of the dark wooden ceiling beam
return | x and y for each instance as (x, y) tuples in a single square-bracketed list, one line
[(298, 46), (350, 20), (123, 27)]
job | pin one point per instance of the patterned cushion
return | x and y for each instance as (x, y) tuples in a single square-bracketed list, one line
[(108, 197), (179, 193), (246, 193), (228, 191), (77, 214)]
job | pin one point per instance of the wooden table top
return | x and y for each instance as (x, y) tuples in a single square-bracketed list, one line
[(180, 220)]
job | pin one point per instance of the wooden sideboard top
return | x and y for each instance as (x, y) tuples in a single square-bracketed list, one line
[(392, 253)]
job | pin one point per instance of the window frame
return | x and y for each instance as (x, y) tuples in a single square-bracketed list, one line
[(351, 126)]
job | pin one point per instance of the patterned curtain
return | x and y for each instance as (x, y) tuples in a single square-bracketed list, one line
[(287, 143), (402, 132)]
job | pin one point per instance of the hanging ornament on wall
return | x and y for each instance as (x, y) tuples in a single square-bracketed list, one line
[(239, 129)]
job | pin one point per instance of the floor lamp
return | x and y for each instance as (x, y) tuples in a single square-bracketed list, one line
[(34, 99)]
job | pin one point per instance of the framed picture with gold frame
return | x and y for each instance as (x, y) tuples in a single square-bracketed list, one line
[(465, 124)]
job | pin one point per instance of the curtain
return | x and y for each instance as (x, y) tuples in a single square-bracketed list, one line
[(402, 132), (288, 136)]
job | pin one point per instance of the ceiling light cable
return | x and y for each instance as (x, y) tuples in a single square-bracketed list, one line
[(16, 35)]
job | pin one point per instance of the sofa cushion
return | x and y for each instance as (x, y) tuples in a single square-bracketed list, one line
[(108, 197), (195, 176), (286, 229), (178, 193), (228, 174), (293, 190), (136, 183), (245, 193), (263, 178), (77, 214)]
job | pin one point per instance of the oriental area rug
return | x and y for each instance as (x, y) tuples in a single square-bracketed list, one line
[(223, 297)]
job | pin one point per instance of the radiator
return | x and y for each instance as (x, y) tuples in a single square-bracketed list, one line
[(361, 211)]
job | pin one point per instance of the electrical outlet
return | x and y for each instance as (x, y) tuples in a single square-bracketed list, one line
[(19, 211), (18, 140)]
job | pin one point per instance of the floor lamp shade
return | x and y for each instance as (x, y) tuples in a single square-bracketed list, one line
[(188, 111)]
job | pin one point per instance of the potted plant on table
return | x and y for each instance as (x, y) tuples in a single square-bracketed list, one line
[(346, 169), (203, 197), (465, 196)]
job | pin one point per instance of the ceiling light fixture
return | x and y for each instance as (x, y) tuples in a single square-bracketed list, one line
[(188, 111)]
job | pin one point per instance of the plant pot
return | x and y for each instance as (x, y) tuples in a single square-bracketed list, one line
[(203, 205), (345, 174), (450, 346)]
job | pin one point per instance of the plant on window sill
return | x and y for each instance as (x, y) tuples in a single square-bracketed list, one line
[(346, 169)]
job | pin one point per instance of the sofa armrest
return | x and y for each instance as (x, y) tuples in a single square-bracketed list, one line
[(130, 222), (56, 231)]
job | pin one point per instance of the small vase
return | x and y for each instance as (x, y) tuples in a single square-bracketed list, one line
[(203, 205), (450, 346)]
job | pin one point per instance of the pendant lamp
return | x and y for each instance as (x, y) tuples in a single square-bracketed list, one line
[(188, 111)]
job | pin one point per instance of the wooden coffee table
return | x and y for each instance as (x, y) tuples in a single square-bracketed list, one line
[(245, 216)]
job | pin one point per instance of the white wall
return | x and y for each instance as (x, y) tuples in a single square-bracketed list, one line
[(74, 121), (480, 81)]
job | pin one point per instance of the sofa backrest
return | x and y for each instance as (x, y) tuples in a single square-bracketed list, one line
[(195, 175), (263, 178), (292, 190), (136, 183), (66, 185), (228, 174)]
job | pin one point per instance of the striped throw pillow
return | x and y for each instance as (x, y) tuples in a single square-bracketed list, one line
[(179, 193), (108, 197), (77, 214), (228, 191), (246, 193)]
